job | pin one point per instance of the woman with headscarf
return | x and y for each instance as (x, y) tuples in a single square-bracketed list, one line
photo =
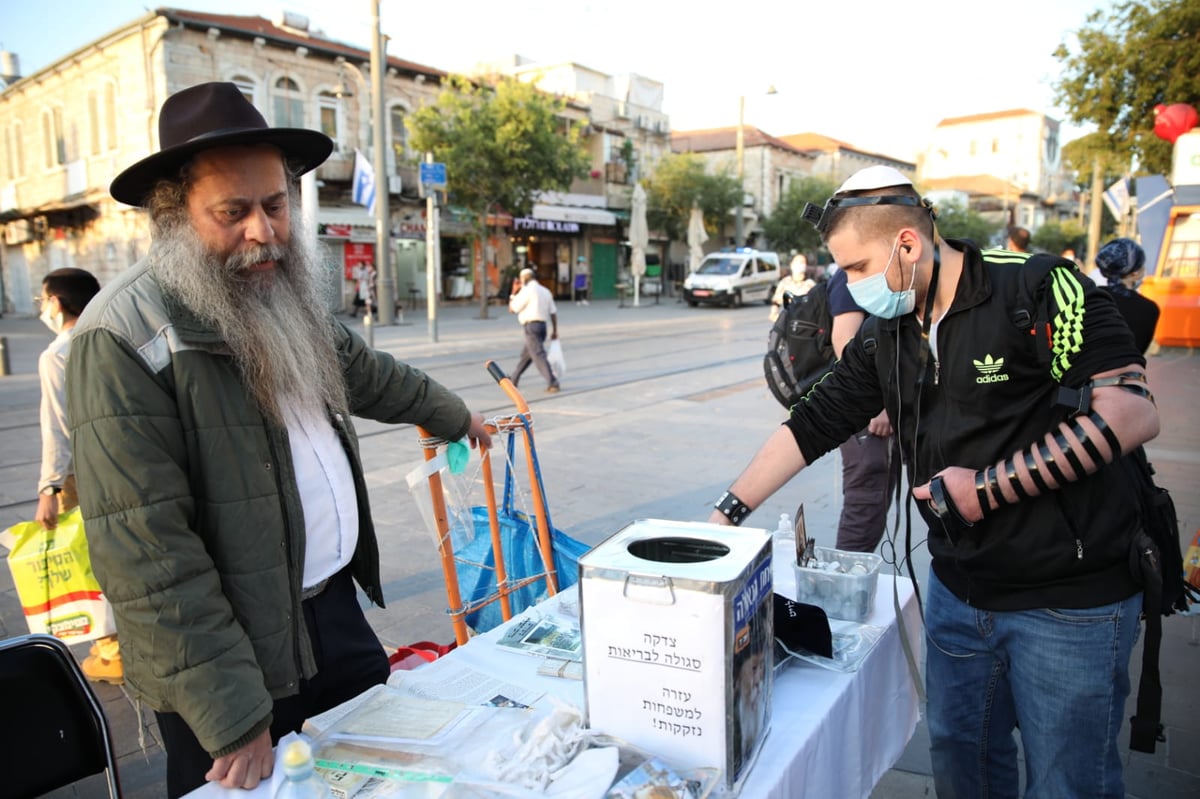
[(1122, 263)]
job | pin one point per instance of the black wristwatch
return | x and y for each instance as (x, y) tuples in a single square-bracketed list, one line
[(50, 491)]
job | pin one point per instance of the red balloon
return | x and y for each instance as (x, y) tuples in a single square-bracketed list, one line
[(1172, 121)]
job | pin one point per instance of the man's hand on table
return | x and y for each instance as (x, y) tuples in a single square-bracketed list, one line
[(246, 767)]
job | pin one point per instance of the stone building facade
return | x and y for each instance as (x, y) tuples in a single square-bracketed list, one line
[(69, 128)]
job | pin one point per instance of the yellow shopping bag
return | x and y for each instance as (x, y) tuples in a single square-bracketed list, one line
[(1191, 563), (53, 574)]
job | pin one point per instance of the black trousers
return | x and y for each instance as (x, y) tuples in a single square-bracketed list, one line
[(350, 660)]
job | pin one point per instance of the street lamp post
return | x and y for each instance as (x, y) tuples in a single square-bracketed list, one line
[(383, 264), (741, 166), (741, 170)]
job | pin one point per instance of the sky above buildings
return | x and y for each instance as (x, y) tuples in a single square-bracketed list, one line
[(877, 74)]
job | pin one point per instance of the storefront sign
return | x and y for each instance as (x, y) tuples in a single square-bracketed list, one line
[(337, 231), (356, 255), (411, 230), (545, 225)]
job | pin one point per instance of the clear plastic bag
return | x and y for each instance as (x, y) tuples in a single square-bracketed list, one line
[(554, 355)]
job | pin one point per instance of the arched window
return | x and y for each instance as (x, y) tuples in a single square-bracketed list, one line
[(246, 86), (93, 107), (399, 138), (10, 166), (287, 104), (329, 106), (18, 163), (102, 118), (110, 115), (54, 147)]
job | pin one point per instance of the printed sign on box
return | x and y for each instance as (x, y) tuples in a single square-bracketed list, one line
[(677, 633)]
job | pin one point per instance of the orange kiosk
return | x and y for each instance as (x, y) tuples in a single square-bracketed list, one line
[(1175, 284)]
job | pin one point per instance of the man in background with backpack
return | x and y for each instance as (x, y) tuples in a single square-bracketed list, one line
[(1012, 384), (797, 284)]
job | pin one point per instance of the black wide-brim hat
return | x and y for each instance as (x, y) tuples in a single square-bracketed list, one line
[(213, 115)]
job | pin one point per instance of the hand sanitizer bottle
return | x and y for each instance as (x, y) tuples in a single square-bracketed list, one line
[(784, 539), (301, 780)]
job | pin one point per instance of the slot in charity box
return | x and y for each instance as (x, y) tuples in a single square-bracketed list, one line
[(845, 594), (677, 641)]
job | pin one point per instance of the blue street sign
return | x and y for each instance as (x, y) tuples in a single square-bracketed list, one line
[(433, 175)]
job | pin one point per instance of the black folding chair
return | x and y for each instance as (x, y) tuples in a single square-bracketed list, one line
[(55, 731)]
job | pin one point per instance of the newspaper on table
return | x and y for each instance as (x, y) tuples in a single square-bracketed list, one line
[(443, 679), (544, 636)]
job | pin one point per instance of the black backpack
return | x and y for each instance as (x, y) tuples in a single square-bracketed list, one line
[(1157, 563), (799, 346)]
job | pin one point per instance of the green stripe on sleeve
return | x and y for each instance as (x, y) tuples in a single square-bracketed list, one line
[(1067, 324)]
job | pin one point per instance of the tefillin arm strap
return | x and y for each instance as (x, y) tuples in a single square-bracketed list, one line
[(1042, 457)]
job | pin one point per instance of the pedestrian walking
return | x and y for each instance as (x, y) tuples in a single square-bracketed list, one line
[(65, 293), (1122, 265), (533, 305), (798, 283)]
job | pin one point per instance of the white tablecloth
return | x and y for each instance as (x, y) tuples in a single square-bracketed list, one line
[(832, 734)]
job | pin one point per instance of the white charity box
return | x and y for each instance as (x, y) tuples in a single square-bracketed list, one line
[(848, 593), (678, 641)]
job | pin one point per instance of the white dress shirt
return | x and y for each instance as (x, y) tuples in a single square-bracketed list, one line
[(56, 440), (533, 303), (326, 487)]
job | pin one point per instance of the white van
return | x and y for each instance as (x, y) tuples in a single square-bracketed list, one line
[(733, 277)]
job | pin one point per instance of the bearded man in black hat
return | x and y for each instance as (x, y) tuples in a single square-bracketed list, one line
[(209, 399)]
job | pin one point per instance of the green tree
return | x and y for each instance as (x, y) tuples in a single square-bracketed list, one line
[(1137, 55), (501, 145), (786, 229), (1054, 237), (681, 181), (956, 221)]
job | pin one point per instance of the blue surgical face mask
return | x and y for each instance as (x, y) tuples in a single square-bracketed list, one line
[(875, 296)]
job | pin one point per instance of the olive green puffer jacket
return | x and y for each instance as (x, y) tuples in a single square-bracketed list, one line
[(193, 519)]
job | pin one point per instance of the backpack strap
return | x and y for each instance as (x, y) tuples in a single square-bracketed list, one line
[(1031, 311), (1145, 727)]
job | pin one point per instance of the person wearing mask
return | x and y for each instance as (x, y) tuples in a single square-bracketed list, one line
[(210, 392), (533, 305), (1122, 265), (1031, 607), (870, 459), (65, 293), (797, 283)]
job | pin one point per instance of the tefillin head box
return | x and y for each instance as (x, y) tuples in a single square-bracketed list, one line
[(678, 641)]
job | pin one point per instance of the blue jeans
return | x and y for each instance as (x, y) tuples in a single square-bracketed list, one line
[(1061, 675)]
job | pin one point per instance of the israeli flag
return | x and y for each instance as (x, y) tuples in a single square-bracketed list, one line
[(1116, 199), (364, 182)]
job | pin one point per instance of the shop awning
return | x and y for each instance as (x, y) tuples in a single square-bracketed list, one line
[(573, 213)]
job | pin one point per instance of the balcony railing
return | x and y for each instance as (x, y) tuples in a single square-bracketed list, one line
[(616, 172), (339, 166)]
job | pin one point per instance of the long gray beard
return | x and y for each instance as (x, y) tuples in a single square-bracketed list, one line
[(275, 325)]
